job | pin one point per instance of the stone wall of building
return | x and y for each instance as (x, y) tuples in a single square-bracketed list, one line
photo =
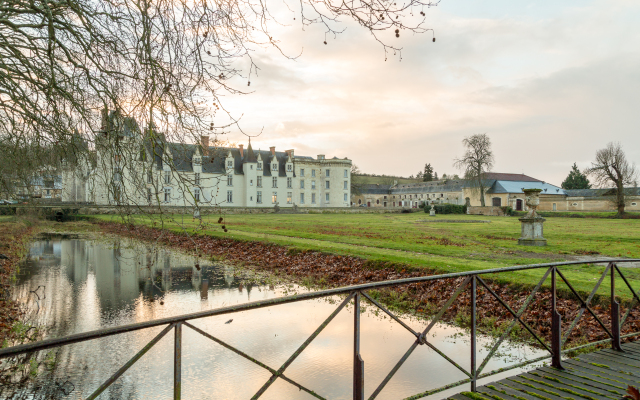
[(585, 204), (478, 210)]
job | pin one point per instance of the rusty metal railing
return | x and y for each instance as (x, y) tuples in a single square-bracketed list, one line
[(356, 294)]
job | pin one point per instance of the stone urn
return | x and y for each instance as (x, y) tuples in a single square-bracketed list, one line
[(531, 224), (432, 212)]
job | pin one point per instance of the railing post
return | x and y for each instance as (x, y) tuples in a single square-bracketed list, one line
[(615, 313), (556, 326), (358, 364), (473, 333), (177, 362)]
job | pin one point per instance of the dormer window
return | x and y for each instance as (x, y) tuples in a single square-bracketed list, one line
[(230, 164), (289, 167), (197, 160), (274, 167), (259, 166)]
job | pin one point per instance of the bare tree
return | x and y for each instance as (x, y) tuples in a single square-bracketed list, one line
[(476, 161), (611, 167), (165, 64)]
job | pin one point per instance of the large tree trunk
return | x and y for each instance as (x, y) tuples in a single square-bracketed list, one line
[(620, 198), (482, 195)]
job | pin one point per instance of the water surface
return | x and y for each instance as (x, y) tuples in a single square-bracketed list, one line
[(78, 285)]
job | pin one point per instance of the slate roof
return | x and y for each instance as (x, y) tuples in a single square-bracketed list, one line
[(373, 188), (499, 176), (500, 186), (632, 191), (251, 156), (449, 186), (214, 162)]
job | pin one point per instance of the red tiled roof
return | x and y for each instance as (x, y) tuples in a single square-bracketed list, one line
[(510, 177)]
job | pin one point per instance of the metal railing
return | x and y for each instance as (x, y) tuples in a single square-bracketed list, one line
[(356, 294)]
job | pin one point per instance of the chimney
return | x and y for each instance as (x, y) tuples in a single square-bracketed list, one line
[(289, 153), (241, 148), (204, 142), (273, 150)]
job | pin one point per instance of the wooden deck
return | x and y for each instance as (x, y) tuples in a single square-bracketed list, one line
[(601, 375)]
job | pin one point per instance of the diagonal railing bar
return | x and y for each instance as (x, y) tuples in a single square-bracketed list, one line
[(455, 364), (302, 347), (446, 306), (169, 323), (129, 363), (253, 360), (254, 305), (390, 314), (521, 311), (585, 305), (438, 390), (406, 355), (481, 376), (514, 314), (635, 295)]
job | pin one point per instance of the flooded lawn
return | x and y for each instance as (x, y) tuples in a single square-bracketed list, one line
[(78, 285)]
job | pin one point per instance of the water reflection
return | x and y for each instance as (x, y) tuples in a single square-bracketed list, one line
[(91, 284)]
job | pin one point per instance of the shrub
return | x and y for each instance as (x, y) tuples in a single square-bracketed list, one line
[(507, 210)]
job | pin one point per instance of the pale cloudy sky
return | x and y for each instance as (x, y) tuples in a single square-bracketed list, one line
[(549, 81)]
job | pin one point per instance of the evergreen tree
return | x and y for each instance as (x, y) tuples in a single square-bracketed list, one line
[(435, 176), (427, 175), (576, 179)]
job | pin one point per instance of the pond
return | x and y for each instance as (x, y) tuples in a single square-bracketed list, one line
[(78, 285)]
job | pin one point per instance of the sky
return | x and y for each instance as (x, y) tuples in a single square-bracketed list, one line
[(550, 82)]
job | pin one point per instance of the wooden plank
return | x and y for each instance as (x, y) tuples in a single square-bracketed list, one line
[(513, 392), (632, 345), (517, 386), (601, 377), (459, 397), (562, 387), (623, 354), (576, 386), (544, 388), (587, 381), (614, 375), (631, 351), (493, 393), (612, 364), (608, 358), (616, 355)]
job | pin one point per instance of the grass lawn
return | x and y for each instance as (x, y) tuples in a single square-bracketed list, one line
[(420, 241)]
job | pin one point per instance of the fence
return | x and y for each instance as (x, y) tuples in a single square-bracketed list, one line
[(356, 294)]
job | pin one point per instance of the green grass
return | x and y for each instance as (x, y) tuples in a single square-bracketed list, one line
[(414, 241)]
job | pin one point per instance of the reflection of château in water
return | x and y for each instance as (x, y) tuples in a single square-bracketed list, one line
[(73, 285), (121, 270)]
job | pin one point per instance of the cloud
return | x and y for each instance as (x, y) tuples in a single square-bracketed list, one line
[(549, 82)]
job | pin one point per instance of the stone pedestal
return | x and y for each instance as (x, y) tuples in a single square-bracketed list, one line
[(532, 229), (432, 212), (532, 232)]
